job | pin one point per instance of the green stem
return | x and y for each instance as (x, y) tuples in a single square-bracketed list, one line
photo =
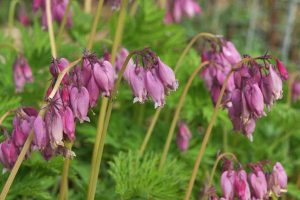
[(149, 131), (95, 23), (63, 194), (11, 14), (50, 29), (189, 46), (96, 165), (177, 112), (87, 6), (209, 129), (10, 46), (64, 20)]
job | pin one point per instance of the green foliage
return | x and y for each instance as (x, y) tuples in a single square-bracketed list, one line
[(139, 177)]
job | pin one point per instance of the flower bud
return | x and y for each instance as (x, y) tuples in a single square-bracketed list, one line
[(93, 90), (255, 99), (69, 123), (80, 103), (155, 88), (167, 76), (280, 173), (54, 127), (136, 80), (241, 186), (104, 75), (9, 153), (282, 70), (40, 133), (183, 137)]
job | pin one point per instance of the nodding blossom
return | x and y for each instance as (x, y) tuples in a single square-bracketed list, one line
[(22, 73), (258, 183), (152, 81), (183, 136), (177, 9), (58, 9), (251, 87)]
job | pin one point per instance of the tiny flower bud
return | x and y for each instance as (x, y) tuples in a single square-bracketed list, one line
[(167, 76), (183, 137), (282, 70)]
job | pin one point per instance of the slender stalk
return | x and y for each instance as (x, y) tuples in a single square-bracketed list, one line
[(5, 115), (100, 136), (63, 194), (50, 28), (87, 6), (189, 46), (213, 171), (96, 166), (177, 112), (119, 30), (64, 20), (209, 129), (100, 125), (11, 14), (95, 23), (149, 131)]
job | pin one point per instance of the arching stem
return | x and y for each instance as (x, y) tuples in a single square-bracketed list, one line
[(177, 112), (11, 14), (95, 23), (209, 129), (50, 29), (189, 46)]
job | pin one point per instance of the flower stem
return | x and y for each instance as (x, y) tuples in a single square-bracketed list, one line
[(97, 163), (177, 112), (50, 28), (87, 6), (189, 46), (149, 131), (64, 20), (11, 14), (63, 193), (209, 129), (95, 22), (5, 115), (213, 171)]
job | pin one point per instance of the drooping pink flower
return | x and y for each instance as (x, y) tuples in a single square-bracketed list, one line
[(258, 182), (183, 136), (242, 190), (79, 98), (54, 127), (227, 183), (40, 133), (136, 79), (69, 123), (8, 153), (155, 88), (22, 73), (104, 75), (167, 76), (176, 9), (282, 70)]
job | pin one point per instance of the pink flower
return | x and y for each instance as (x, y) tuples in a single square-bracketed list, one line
[(167, 76), (155, 88), (54, 127), (104, 75), (258, 183), (183, 136), (22, 73), (296, 90), (242, 189), (227, 184), (8, 154), (282, 70), (69, 123), (40, 133), (136, 79), (79, 98)]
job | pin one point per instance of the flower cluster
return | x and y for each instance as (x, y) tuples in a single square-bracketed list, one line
[(296, 90), (176, 9), (221, 62), (153, 79), (252, 85), (258, 184), (183, 136), (58, 9), (12, 145), (22, 73)]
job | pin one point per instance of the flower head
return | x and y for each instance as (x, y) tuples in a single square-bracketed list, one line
[(183, 136)]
